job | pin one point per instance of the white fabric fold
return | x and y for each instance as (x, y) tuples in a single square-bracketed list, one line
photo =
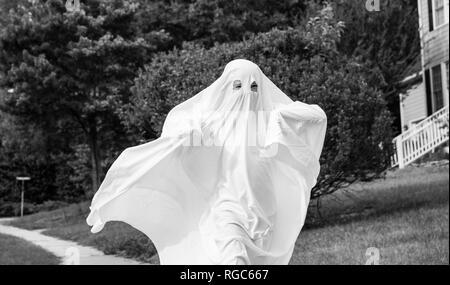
[(228, 181)]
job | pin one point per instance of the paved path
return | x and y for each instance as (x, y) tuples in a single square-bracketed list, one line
[(68, 251)]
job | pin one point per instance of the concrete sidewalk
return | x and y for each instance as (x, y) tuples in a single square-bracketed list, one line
[(70, 252)]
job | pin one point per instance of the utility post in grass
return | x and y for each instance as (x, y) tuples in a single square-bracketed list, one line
[(22, 194)]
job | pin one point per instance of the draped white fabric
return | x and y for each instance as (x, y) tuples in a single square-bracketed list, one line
[(228, 181)]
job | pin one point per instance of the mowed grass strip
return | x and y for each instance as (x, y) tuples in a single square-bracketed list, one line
[(16, 251)]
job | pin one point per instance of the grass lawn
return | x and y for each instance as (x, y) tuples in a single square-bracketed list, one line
[(405, 216), (15, 251)]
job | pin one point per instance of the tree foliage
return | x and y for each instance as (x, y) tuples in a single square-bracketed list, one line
[(210, 21), (387, 40), (73, 68)]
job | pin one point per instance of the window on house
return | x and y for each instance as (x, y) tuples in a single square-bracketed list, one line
[(438, 96), (439, 12)]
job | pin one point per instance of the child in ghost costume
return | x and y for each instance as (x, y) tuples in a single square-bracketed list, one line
[(228, 181)]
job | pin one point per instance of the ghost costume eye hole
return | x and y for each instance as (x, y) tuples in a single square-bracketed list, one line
[(237, 85), (254, 86)]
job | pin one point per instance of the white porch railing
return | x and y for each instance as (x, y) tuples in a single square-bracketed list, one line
[(420, 139)]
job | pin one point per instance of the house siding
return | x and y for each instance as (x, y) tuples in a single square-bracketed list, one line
[(435, 42), (435, 45), (435, 48), (414, 105)]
